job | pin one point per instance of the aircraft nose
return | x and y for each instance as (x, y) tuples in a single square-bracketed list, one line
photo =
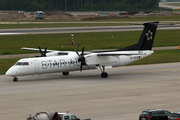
[(11, 72)]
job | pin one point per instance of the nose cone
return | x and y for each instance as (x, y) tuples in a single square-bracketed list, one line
[(11, 72)]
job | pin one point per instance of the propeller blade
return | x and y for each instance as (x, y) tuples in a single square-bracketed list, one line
[(82, 51), (45, 52), (40, 51), (77, 53), (81, 67)]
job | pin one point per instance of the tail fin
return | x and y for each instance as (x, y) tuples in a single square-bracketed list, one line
[(147, 37)]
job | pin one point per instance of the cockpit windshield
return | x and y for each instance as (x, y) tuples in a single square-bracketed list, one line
[(25, 63), (22, 63)]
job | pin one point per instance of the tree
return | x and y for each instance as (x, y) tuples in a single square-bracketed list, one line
[(78, 5)]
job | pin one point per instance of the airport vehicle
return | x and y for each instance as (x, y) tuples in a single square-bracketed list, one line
[(154, 114), (174, 116), (39, 16), (53, 116), (52, 61)]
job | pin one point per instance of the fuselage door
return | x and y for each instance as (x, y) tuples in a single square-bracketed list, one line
[(36, 66)]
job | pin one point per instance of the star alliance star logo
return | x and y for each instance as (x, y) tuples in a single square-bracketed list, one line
[(149, 35)]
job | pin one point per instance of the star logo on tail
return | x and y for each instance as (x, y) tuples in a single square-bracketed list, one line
[(149, 35)]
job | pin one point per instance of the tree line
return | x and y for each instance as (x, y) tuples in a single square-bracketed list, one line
[(78, 5)]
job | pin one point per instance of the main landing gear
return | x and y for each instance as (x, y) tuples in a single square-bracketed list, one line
[(65, 73), (15, 79), (103, 74)]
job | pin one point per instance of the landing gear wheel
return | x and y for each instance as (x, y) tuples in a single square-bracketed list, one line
[(15, 79), (65, 73), (104, 75)]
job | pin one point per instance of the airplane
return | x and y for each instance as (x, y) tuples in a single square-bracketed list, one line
[(52, 61)]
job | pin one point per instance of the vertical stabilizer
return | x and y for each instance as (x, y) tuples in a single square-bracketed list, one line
[(146, 39)]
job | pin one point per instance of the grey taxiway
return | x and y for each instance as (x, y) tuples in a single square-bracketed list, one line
[(80, 29), (122, 96)]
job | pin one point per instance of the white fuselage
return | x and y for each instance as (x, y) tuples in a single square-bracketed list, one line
[(66, 63)]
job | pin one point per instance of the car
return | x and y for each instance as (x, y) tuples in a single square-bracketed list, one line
[(174, 116), (154, 114)]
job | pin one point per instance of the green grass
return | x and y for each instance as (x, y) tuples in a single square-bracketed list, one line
[(12, 44), (5, 64), (159, 56), (176, 10)]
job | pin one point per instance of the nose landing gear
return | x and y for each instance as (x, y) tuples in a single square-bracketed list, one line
[(15, 79)]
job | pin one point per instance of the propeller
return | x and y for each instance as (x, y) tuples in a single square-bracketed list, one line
[(82, 59), (43, 53)]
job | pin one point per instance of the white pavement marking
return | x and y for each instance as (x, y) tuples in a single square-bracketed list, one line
[(11, 33)]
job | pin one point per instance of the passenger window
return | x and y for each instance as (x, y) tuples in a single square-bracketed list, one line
[(25, 63), (155, 113), (66, 117), (167, 113), (160, 112)]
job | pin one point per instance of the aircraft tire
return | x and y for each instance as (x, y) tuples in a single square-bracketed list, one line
[(65, 73), (15, 79), (104, 75)]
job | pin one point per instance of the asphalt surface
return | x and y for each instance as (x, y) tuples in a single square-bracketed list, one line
[(80, 29), (166, 5), (122, 96)]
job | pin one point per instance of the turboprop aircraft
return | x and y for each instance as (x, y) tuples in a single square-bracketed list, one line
[(52, 61)]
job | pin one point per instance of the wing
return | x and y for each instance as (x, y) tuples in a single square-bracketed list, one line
[(49, 52), (35, 49)]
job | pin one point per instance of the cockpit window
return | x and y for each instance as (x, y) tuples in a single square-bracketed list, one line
[(22, 63), (18, 63), (25, 63)]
